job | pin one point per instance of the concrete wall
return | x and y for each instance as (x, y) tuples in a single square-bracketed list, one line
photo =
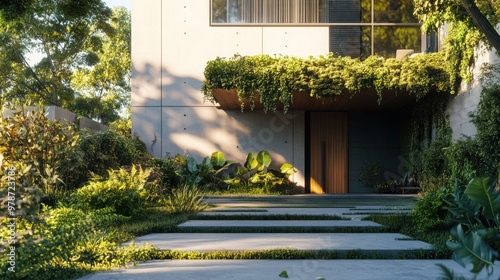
[(171, 42), (466, 101), (60, 114), (373, 137)]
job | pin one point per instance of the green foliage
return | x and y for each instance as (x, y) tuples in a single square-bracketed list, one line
[(187, 199), (122, 126), (370, 174), (256, 174), (165, 173), (430, 213), (48, 146), (463, 34), (475, 239), (110, 150), (65, 33), (19, 194), (155, 219), (465, 161), (488, 129), (276, 79), (70, 243), (284, 274), (425, 137), (104, 89), (176, 171), (215, 173), (278, 254), (123, 190)]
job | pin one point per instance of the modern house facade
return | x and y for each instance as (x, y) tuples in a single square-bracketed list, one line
[(172, 40)]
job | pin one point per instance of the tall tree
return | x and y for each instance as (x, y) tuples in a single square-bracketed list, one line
[(66, 34), (482, 15), (104, 89)]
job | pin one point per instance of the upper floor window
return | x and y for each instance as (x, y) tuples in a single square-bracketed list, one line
[(268, 11), (311, 11), (358, 28)]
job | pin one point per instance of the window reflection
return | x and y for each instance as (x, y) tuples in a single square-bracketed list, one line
[(392, 27), (388, 39), (395, 11), (269, 11), (353, 41)]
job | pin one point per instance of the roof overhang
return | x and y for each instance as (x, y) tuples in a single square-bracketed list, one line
[(363, 101)]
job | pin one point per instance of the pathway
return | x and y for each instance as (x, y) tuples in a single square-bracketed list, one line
[(322, 234)]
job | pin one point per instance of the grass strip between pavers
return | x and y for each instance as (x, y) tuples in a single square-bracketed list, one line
[(294, 254), (284, 230), (268, 217)]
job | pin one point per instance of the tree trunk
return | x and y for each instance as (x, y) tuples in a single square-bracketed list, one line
[(483, 24)]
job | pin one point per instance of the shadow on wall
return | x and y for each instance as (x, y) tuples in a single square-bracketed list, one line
[(170, 116)]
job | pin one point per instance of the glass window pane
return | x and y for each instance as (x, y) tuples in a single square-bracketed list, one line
[(270, 11), (387, 40), (353, 41), (219, 11), (349, 11), (394, 11)]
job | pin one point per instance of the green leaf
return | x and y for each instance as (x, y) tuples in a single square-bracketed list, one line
[(251, 162), (470, 248), (284, 274), (192, 166), (217, 159), (287, 169), (482, 191), (264, 159)]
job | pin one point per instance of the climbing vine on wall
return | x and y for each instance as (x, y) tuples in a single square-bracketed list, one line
[(275, 79), (427, 134)]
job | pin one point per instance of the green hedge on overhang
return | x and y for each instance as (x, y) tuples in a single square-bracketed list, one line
[(276, 79)]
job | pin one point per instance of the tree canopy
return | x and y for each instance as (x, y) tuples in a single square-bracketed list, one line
[(480, 15), (70, 53)]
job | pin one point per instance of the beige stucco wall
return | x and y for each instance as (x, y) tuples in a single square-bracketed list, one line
[(171, 42)]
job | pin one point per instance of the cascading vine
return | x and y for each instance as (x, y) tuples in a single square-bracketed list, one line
[(275, 79)]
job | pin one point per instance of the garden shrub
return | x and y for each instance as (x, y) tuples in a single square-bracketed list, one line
[(487, 122), (464, 161), (110, 150), (370, 174), (430, 213), (256, 176), (163, 172), (122, 190), (217, 174), (48, 146)]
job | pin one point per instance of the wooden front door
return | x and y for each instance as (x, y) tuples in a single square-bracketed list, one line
[(328, 152)]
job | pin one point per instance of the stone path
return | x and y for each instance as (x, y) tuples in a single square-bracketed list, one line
[(387, 244)]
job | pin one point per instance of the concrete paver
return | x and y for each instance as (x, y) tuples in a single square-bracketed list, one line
[(207, 242), (344, 212), (296, 269)]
